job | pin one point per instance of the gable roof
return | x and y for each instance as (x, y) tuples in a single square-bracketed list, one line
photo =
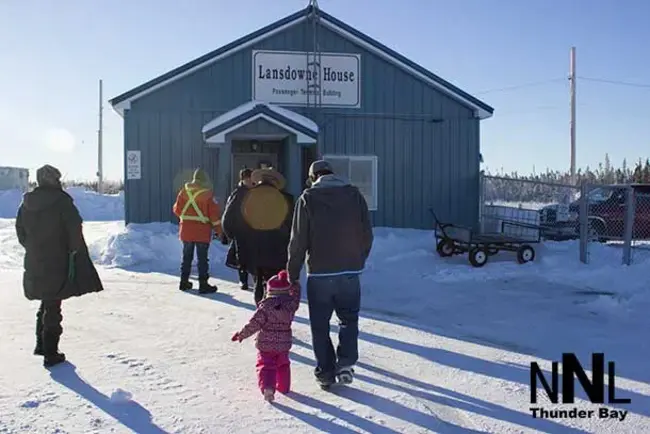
[(482, 110), (304, 128)]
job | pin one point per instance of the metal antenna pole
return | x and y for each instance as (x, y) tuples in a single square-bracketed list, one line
[(314, 64), (314, 92), (572, 127), (100, 170)]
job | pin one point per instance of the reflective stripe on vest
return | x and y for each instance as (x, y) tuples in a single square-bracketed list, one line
[(191, 201)]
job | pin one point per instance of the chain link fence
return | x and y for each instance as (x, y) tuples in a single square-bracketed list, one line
[(618, 215), (551, 209)]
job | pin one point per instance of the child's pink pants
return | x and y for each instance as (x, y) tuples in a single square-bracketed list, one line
[(274, 371)]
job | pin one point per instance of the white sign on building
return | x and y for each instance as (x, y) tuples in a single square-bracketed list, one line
[(133, 165), (282, 77)]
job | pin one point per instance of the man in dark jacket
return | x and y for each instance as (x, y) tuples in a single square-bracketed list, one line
[(232, 258), (331, 227), (57, 263)]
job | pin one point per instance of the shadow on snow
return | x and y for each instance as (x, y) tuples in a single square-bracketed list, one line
[(130, 414)]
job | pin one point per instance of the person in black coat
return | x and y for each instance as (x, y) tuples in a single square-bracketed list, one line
[(259, 220), (232, 259), (57, 264)]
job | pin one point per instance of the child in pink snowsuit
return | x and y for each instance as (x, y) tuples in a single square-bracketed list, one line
[(273, 319)]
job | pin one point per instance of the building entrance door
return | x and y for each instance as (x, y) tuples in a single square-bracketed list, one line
[(252, 161)]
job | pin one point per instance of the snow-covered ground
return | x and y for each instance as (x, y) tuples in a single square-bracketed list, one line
[(91, 205), (444, 347)]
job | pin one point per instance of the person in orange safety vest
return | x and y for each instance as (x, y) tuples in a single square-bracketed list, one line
[(199, 215)]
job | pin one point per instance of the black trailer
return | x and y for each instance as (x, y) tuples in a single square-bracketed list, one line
[(454, 239)]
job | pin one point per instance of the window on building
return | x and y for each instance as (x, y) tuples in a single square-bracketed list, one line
[(361, 171)]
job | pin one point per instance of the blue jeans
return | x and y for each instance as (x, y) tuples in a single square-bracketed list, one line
[(202, 259), (326, 295)]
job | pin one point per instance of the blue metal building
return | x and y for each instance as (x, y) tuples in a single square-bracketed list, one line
[(305, 87)]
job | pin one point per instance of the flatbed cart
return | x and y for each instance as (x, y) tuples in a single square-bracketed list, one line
[(456, 240)]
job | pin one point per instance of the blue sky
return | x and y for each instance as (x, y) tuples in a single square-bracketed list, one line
[(54, 52)]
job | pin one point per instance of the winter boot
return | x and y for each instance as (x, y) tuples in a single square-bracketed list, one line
[(243, 280), (269, 395), (206, 288), (52, 360), (345, 375), (185, 285), (325, 384), (38, 349), (51, 350), (325, 381)]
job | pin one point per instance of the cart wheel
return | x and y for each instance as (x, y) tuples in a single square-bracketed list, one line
[(525, 253), (478, 256), (445, 247)]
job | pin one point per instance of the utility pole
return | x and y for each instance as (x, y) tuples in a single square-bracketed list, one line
[(100, 174), (572, 90)]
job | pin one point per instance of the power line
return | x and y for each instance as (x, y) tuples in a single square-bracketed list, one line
[(620, 83), (522, 86), (558, 80), (536, 110)]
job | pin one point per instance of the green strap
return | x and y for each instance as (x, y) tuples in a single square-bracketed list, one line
[(71, 265), (191, 201)]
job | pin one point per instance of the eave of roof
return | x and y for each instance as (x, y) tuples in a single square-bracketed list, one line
[(482, 110), (243, 114)]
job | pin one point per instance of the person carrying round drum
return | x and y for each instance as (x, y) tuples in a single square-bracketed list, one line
[(259, 220)]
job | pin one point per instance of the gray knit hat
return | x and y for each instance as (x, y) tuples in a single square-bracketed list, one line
[(316, 168), (48, 176), (199, 177), (320, 166)]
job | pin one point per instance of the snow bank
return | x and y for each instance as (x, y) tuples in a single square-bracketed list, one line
[(9, 203), (92, 206), (98, 207), (405, 271), (153, 247), (11, 252)]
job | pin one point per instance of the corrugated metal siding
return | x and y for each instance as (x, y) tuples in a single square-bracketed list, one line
[(170, 151), (421, 164)]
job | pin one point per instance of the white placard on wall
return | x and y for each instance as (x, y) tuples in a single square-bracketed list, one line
[(133, 165), (283, 77)]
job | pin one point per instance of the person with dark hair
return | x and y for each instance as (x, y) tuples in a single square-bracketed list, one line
[(199, 215), (259, 220), (232, 257), (57, 263), (332, 229)]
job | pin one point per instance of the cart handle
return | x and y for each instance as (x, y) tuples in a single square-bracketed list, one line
[(437, 222), (440, 225)]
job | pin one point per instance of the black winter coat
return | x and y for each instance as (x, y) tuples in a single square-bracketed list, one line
[(256, 248), (232, 257), (57, 264)]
